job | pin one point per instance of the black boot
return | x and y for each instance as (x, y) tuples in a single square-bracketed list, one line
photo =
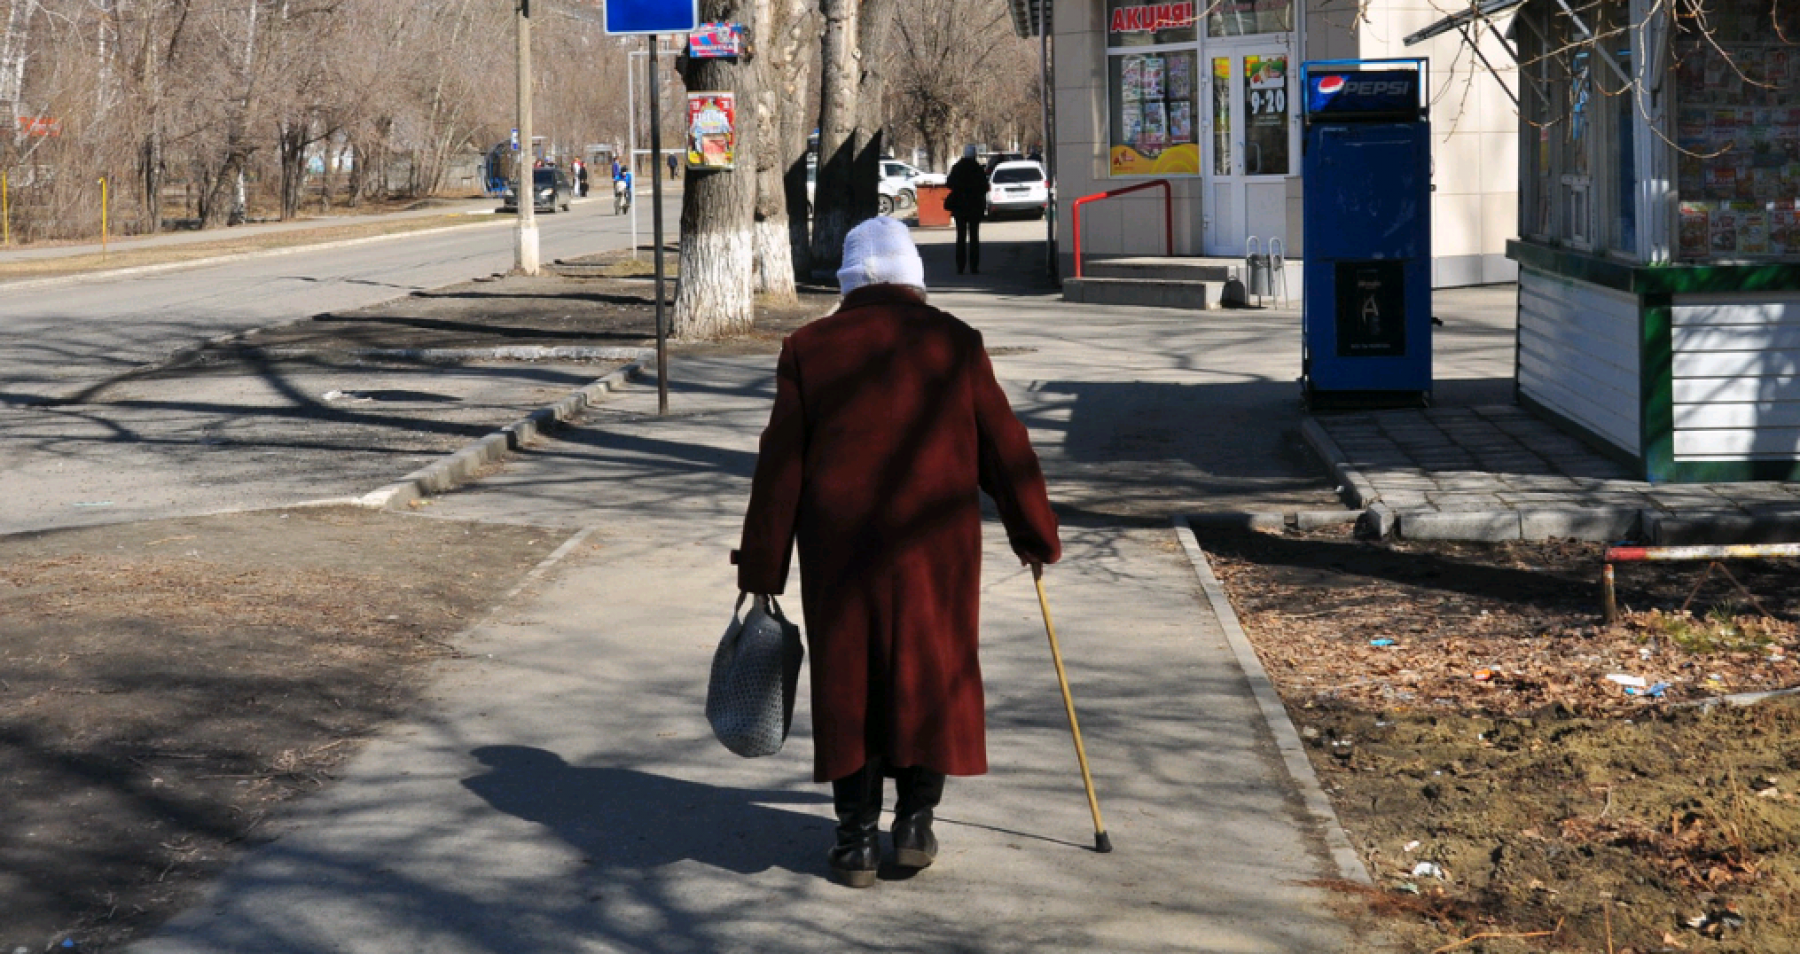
[(857, 855), (920, 790)]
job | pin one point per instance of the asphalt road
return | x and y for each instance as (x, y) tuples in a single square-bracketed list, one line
[(56, 340), (135, 450)]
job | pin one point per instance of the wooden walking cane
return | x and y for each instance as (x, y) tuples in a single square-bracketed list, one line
[(1102, 841)]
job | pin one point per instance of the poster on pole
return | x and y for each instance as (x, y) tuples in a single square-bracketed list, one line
[(712, 130), (651, 16)]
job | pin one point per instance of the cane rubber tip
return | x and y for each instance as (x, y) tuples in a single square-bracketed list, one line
[(1103, 842)]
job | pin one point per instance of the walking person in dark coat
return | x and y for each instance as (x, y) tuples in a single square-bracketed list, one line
[(888, 425), (967, 204)]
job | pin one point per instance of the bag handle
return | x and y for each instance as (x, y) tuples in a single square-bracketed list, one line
[(764, 600)]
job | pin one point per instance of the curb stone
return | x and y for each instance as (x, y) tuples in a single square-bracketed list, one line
[(446, 355), (1352, 487), (1242, 520), (1487, 526), (1599, 524), (1275, 715), (461, 467)]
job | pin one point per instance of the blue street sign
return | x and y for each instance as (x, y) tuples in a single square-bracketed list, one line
[(652, 16)]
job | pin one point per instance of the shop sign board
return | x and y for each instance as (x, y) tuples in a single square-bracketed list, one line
[(712, 130)]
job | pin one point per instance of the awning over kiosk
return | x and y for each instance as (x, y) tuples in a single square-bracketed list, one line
[(1483, 10)]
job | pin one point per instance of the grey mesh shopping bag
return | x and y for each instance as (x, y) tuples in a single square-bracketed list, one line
[(755, 671)]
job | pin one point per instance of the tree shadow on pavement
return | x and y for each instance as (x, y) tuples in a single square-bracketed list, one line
[(625, 819)]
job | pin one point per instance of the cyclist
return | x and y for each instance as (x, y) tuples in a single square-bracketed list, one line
[(621, 189)]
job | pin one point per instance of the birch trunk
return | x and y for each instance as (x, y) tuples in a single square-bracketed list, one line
[(714, 295), (832, 214), (779, 118), (12, 69)]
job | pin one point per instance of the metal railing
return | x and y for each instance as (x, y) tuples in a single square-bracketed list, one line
[(1168, 215)]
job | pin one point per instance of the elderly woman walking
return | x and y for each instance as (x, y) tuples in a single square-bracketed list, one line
[(888, 425)]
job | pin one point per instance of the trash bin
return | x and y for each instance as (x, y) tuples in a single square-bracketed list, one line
[(932, 214)]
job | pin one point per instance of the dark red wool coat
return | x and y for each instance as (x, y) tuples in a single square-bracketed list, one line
[(887, 426)]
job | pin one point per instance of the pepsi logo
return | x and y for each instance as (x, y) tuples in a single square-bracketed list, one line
[(1330, 84)]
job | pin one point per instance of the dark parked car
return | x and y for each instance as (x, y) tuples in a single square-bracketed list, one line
[(551, 191)]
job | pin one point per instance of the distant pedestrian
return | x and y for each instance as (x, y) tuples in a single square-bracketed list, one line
[(615, 170), (673, 162), (967, 204), (581, 178), (888, 426)]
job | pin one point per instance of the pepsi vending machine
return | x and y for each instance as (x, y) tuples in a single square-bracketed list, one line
[(1366, 307)]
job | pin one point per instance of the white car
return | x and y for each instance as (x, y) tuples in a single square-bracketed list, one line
[(895, 190), (1018, 186), (901, 182)]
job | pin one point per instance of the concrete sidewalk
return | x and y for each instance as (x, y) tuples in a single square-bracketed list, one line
[(563, 792)]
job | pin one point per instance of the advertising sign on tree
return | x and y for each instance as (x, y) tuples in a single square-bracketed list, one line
[(712, 130), (716, 40)]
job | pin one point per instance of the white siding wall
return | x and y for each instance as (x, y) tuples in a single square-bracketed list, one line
[(1737, 377), (1578, 354)]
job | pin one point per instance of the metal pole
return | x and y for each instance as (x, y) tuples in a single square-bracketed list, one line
[(656, 218), (525, 244), (5, 213), (102, 216), (631, 146), (1044, 87)]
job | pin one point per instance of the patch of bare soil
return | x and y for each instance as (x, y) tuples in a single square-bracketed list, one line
[(606, 300), (165, 686), (1507, 792)]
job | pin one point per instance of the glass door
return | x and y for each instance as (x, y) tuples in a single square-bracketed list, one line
[(1250, 141)]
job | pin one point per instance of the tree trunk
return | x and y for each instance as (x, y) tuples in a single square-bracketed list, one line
[(714, 296), (150, 148), (294, 139), (850, 137), (12, 72), (832, 215), (780, 121)]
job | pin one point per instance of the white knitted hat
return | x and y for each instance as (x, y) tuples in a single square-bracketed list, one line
[(880, 251)]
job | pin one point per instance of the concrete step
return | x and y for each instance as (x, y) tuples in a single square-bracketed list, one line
[(1159, 268), (1144, 292)]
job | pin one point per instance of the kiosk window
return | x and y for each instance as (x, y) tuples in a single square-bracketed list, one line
[(1154, 98), (1737, 134), (1580, 184), (1249, 17), (1152, 88)]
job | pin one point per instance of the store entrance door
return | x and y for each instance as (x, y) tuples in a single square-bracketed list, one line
[(1249, 145)]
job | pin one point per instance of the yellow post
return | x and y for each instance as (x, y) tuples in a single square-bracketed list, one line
[(5, 213), (103, 216)]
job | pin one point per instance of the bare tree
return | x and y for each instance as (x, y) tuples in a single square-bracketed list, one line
[(960, 74), (850, 137), (779, 123)]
